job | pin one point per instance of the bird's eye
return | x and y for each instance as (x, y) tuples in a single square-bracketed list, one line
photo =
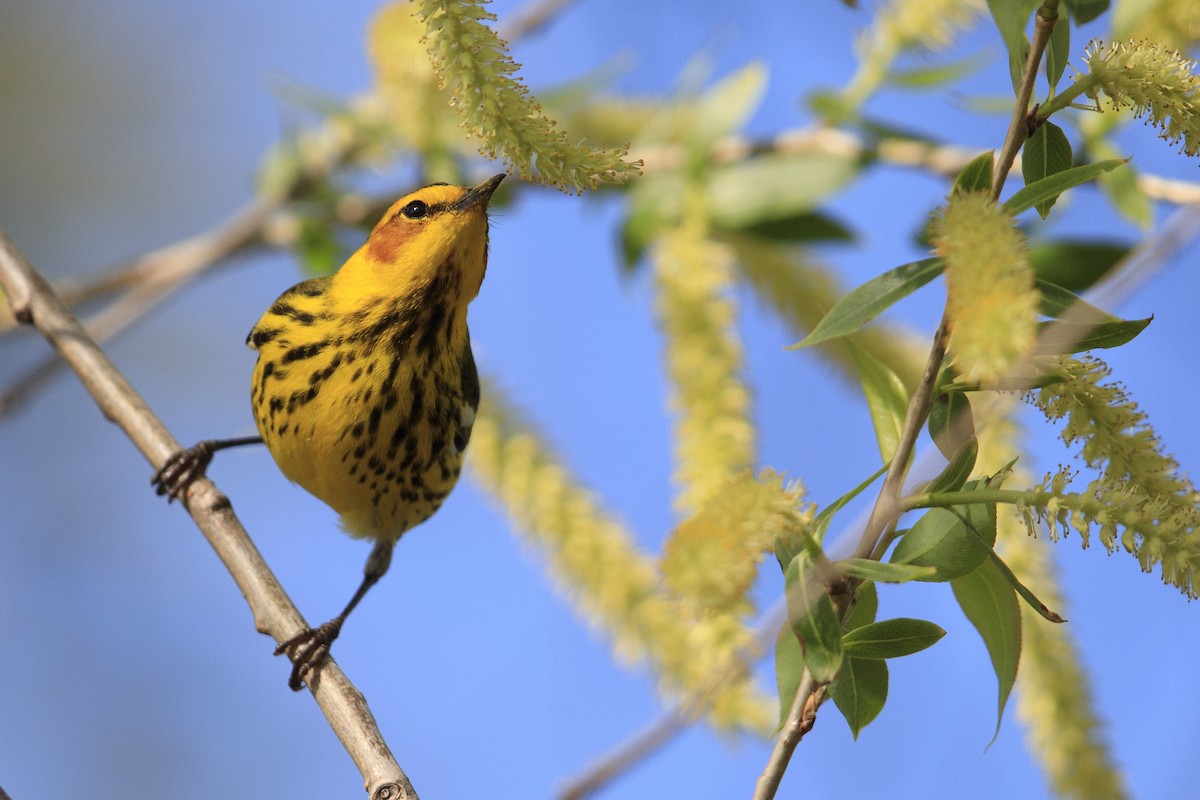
[(415, 210)]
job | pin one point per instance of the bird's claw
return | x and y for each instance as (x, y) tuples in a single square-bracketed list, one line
[(316, 643), (182, 468)]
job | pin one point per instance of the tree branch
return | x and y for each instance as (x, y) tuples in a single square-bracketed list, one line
[(800, 720), (34, 303), (888, 506)]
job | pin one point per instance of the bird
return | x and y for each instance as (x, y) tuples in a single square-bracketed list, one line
[(365, 388)]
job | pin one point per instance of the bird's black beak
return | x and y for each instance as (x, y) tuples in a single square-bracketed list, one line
[(480, 194)]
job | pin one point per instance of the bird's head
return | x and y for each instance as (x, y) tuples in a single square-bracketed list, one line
[(437, 235)]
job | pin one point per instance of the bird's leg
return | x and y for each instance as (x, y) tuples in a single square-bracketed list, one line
[(317, 640), (186, 465)]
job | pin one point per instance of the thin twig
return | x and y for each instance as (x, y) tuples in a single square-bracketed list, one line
[(1018, 131), (800, 720), (647, 741), (149, 280), (634, 750), (34, 303)]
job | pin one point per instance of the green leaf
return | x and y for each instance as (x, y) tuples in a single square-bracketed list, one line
[(789, 666), (954, 540), (1032, 600), (892, 638), (774, 186), (636, 233), (727, 106), (957, 470), (871, 299), (1084, 11), (976, 176), (887, 399), (790, 543), (1058, 52), (860, 691), (1012, 18), (1075, 264), (951, 423), (821, 522), (990, 603), (654, 204), (1047, 188), (866, 606), (318, 247), (1061, 338), (1121, 186), (1055, 301), (805, 226), (870, 570), (813, 619), (1047, 152), (937, 74)]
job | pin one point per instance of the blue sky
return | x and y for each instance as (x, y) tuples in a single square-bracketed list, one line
[(130, 665)]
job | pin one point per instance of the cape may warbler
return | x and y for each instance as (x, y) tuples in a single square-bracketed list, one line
[(365, 387)]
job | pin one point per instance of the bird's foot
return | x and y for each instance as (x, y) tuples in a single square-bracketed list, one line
[(314, 645), (181, 468)]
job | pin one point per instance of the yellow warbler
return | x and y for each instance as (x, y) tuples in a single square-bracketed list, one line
[(365, 388)]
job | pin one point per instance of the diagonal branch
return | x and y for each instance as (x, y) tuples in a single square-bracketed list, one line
[(34, 303)]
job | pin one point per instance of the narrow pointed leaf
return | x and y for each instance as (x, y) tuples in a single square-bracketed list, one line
[(1084, 11), (866, 606), (1012, 18), (871, 299), (951, 423), (933, 76), (1048, 188), (1026, 594), (1055, 301), (860, 691), (1058, 337), (813, 620), (822, 520), (726, 107), (1121, 186), (1058, 51), (990, 603), (887, 400), (955, 475), (870, 570), (1046, 153), (953, 540), (1075, 264), (976, 176), (891, 638)]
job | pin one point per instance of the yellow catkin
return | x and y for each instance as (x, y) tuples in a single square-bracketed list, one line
[(991, 302), (713, 433), (474, 67), (1054, 700), (1153, 80), (711, 558), (614, 583), (1142, 501), (1175, 23)]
